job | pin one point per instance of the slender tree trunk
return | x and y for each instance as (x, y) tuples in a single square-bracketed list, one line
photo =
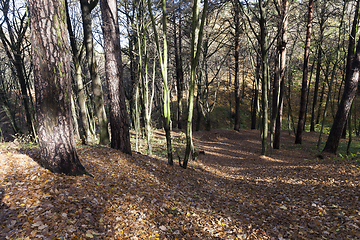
[(119, 121), (163, 57), (79, 82), (74, 117), (196, 41), (52, 79), (13, 48), (282, 72), (316, 88), (318, 66), (265, 78), (86, 8), (236, 59), (333, 73), (178, 66), (256, 92), (5, 103), (143, 72), (198, 107), (299, 131), (308, 92)]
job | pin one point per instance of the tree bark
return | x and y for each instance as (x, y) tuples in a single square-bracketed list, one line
[(79, 83), (52, 79), (282, 73), (342, 113), (163, 57), (179, 68), (265, 78), (351, 83), (119, 120), (196, 41), (256, 91), (236, 59), (86, 8), (299, 131)]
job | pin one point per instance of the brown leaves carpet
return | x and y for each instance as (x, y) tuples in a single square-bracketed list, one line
[(231, 192)]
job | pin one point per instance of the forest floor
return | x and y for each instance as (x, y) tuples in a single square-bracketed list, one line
[(230, 192)]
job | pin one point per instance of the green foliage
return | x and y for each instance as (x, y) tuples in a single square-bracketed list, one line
[(354, 150), (326, 129)]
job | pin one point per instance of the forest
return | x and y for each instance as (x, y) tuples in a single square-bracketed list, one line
[(179, 119)]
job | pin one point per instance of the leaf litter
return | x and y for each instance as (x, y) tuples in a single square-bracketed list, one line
[(231, 192)]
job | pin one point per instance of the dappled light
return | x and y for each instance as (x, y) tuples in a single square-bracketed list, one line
[(220, 195)]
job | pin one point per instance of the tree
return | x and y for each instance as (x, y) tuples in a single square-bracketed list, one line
[(298, 138), (196, 40), (51, 59), (323, 20), (351, 84), (79, 82), (86, 8), (236, 58), (178, 64), (14, 45), (282, 73), (163, 57), (119, 121)]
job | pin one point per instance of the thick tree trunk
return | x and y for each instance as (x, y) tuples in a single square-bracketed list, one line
[(51, 59), (86, 8), (351, 83), (345, 105), (119, 121), (299, 131)]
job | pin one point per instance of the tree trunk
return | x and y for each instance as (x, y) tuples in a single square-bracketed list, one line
[(52, 79), (282, 72), (179, 68), (265, 78), (74, 117), (86, 8), (196, 40), (351, 83), (79, 83), (119, 120), (256, 92), (163, 57), (143, 73), (13, 48), (236, 58), (351, 52), (298, 138), (318, 66)]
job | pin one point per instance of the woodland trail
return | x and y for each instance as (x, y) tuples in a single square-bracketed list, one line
[(231, 192)]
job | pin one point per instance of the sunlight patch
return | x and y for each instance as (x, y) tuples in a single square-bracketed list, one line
[(267, 158)]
